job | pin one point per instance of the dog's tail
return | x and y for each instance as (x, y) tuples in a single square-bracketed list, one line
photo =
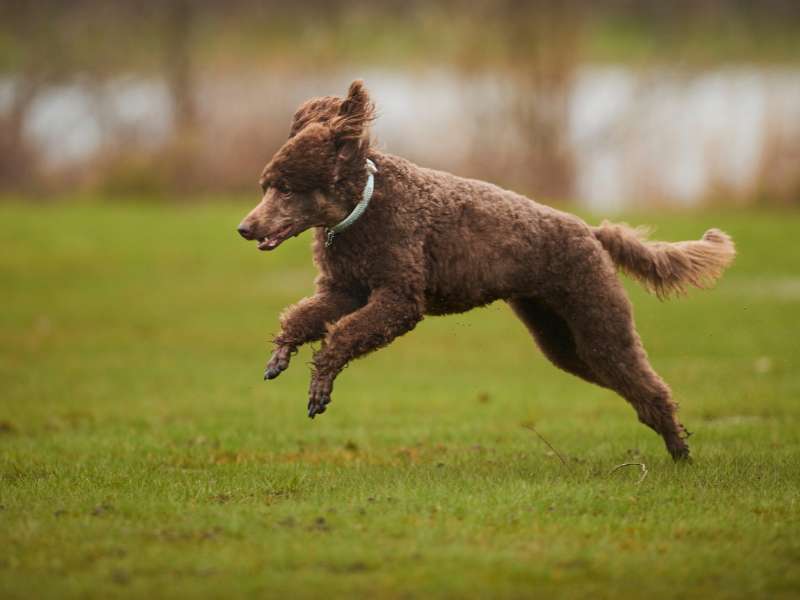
[(667, 268)]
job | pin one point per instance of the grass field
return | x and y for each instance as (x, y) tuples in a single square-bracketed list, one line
[(141, 454)]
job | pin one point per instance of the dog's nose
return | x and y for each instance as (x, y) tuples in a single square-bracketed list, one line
[(244, 231)]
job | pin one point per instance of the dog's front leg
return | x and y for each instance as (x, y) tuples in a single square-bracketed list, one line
[(386, 316), (306, 322)]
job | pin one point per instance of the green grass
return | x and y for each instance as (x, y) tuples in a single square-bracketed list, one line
[(141, 454)]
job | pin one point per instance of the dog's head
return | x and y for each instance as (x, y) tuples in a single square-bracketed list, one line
[(310, 179)]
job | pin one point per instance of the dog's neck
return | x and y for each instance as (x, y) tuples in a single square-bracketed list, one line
[(358, 210)]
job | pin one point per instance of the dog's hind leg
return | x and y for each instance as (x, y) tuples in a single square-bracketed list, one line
[(606, 340), (553, 336)]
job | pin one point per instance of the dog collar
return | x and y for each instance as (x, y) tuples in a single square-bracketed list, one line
[(366, 196)]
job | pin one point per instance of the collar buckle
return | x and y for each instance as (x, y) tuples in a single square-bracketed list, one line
[(329, 235)]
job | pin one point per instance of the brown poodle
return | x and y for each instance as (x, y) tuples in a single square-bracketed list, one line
[(430, 243)]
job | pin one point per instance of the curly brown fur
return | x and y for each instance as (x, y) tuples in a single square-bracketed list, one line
[(431, 243), (664, 268), (316, 110)]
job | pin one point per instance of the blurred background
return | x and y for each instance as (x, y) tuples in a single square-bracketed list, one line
[(609, 104)]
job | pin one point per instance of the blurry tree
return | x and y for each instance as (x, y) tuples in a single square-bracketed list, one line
[(544, 45), (536, 47), (48, 43), (179, 18), (33, 69)]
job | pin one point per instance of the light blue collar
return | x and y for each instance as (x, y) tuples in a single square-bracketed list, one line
[(366, 196)]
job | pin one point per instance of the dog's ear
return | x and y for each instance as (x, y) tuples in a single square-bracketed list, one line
[(351, 125), (316, 110)]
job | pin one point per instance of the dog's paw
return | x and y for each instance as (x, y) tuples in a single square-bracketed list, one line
[(319, 396), (278, 363), (679, 451)]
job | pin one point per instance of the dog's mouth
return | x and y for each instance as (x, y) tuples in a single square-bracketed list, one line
[(272, 241)]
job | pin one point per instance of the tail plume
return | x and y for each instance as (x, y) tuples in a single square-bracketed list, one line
[(667, 269)]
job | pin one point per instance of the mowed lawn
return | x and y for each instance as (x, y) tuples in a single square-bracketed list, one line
[(141, 454)]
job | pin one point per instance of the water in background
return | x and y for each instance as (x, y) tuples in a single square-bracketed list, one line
[(632, 136)]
